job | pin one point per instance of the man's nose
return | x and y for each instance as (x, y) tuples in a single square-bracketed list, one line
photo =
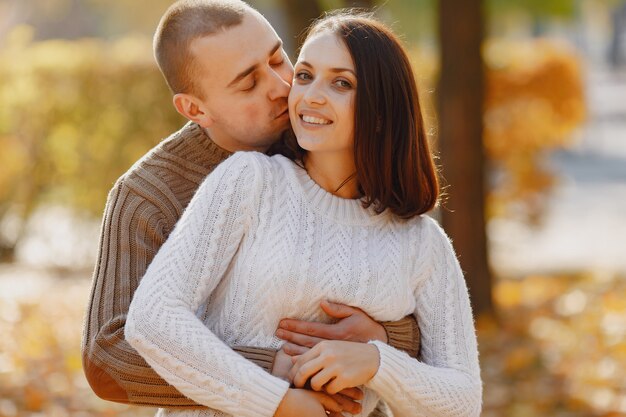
[(280, 86)]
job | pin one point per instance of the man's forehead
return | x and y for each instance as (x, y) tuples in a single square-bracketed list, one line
[(232, 50)]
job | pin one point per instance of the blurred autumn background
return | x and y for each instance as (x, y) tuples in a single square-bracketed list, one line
[(526, 104)]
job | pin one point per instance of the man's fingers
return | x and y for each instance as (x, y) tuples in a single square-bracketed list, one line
[(308, 328), (354, 393), (336, 310), (347, 404), (305, 357), (297, 338), (292, 349), (282, 364), (329, 403)]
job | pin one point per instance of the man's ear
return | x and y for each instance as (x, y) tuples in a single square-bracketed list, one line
[(192, 108)]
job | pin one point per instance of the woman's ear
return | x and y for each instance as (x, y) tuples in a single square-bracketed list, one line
[(190, 107)]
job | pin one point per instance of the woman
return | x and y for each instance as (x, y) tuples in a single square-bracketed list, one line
[(270, 237)]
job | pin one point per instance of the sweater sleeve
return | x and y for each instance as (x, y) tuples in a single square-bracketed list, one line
[(134, 227), (404, 334), (446, 381), (162, 324)]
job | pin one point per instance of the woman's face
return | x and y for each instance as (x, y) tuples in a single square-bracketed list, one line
[(322, 97)]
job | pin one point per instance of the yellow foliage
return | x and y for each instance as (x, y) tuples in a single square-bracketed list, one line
[(533, 291), (518, 359), (40, 360), (534, 101), (508, 294), (568, 345), (74, 115)]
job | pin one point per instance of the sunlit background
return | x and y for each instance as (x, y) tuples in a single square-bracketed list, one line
[(81, 100)]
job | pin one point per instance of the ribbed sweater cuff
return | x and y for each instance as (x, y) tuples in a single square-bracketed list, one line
[(268, 392), (392, 363), (404, 334), (263, 357)]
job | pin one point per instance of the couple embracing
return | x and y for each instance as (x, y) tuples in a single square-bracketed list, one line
[(301, 284)]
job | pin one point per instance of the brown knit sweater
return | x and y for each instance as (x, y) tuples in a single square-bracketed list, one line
[(141, 211)]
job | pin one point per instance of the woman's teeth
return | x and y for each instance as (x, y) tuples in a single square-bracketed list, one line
[(315, 120)]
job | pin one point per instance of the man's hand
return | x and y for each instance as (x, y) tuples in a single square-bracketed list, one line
[(353, 325), (282, 365), (305, 403)]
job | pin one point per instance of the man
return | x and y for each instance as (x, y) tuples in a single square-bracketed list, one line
[(230, 77)]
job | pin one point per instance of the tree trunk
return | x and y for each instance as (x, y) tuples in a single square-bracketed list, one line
[(300, 14), (460, 101), (616, 53), (7, 246)]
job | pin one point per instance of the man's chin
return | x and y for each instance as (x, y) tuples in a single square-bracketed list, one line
[(280, 131)]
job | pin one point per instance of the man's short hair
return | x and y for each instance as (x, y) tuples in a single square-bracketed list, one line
[(183, 22)]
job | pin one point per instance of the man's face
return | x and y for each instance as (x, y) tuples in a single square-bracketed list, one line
[(245, 77)]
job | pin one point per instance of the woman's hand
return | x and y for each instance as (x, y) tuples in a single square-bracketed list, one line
[(335, 365), (305, 403), (346, 399)]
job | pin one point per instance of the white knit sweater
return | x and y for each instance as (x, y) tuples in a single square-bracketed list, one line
[(261, 241)]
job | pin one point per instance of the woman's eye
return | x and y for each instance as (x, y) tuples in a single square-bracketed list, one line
[(303, 76), (343, 84)]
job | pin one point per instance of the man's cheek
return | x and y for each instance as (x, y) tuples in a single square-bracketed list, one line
[(251, 113)]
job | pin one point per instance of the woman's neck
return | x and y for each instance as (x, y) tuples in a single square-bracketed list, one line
[(334, 173)]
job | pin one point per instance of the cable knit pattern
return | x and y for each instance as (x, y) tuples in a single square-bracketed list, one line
[(261, 241), (449, 368)]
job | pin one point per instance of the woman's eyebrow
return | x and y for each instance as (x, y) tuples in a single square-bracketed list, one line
[(306, 64), (343, 70)]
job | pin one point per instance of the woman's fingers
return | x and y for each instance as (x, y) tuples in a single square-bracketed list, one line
[(302, 371), (335, 386), (335, 366), (321, 378)]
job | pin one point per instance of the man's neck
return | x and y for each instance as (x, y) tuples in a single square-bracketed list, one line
[(231, 145)]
